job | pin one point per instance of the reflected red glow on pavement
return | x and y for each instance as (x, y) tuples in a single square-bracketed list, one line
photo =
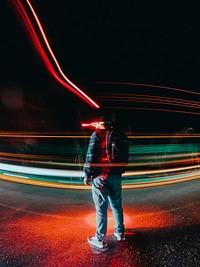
[(90, 220), (53, 239), (60, 239), (38, 44), (50, 228), (153, 218)]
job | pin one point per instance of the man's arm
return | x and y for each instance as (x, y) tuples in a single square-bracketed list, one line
[(88, 168)]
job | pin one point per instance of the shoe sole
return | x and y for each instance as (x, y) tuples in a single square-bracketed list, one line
[(103, 247)]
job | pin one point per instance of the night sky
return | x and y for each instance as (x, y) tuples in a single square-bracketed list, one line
[(99, 41)]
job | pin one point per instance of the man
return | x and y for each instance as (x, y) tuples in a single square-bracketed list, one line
[(106, 158)]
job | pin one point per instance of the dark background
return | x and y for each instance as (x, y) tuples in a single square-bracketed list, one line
[(96, 41)]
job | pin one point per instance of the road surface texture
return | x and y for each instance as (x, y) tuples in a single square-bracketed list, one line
[(49, 227)]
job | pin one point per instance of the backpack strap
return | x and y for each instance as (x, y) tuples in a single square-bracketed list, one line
[(108, 139)]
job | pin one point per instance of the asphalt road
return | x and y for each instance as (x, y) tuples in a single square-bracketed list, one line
[(49, 227)]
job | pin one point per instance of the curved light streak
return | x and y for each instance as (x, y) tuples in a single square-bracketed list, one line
[(40, 171), (33, 34), (132, 185), (53, 135), (149, 164), (146, 160), (152, 85), (158, 109), (151, 99), (18, 172)]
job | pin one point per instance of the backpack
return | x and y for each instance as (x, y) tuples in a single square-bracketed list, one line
[(117, 150)]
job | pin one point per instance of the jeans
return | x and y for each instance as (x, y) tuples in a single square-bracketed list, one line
[(104, 192)]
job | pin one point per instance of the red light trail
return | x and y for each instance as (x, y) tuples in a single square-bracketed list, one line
[(155, 99), (190, 105), (92, 125), (152, 86), (41, 43), (32, 31)]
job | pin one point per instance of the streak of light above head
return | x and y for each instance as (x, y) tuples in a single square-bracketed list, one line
[(95, 125), (153, 99), (158, 109), (64, 81), (151, 85)]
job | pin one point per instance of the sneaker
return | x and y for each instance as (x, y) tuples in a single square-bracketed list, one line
[(94, 241), (120, 237)]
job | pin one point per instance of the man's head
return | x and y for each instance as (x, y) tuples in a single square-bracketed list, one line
[(105, 122)]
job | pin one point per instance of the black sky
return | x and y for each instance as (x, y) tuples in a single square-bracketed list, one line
[(94, 41)]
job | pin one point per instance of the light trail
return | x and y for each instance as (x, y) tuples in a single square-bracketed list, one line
[(40, 171), (152, 99), (132, 185), (61, 135), (80, 174), (55, 166), (152, 86), (51, 161), (142, 99), (155, 109), (64, 81)]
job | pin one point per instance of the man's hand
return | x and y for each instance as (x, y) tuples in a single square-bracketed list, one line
[(86, 181)]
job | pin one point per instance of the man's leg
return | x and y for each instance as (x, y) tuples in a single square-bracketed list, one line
[(100, 197), (115, 199)]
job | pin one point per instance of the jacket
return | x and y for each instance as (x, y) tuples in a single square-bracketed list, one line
[(107, 153)]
